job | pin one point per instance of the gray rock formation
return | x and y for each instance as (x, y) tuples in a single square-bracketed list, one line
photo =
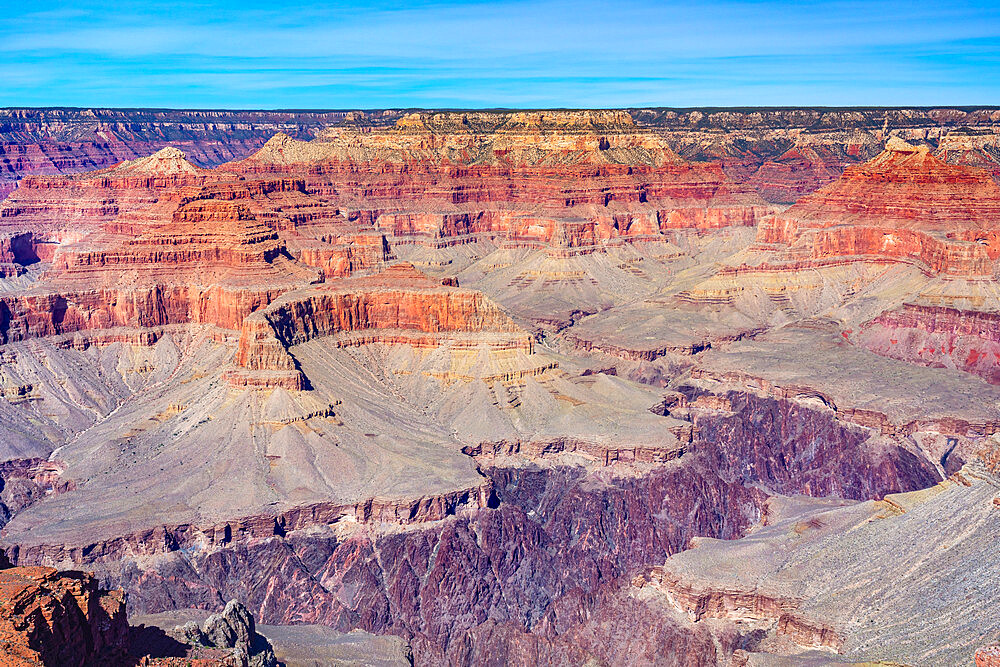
[(233, 629)]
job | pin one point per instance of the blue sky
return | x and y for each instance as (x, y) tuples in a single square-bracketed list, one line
[(514, 53)]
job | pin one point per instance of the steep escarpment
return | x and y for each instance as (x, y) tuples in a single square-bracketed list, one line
[(480, 380), (60, 618), (551, 545), (400, 305), (938, 336), (903, 232), (805, 577), (903, 204), (782, 153), (858, 469), (198, 245)]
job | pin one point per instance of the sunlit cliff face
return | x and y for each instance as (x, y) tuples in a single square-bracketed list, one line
[(509, 383)]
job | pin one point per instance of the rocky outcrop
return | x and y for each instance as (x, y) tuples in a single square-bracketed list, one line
[(51, 617), (259, 397), (398, 306), (233, 628), (528, 566), (596, 181), (743, 605), (59, 618), (66, 141), (26, 481)]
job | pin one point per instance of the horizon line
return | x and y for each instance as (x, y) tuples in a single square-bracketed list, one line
[(503, 109)]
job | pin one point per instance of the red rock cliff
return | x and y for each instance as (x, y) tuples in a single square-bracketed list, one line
[(905, 205), (59, 618)]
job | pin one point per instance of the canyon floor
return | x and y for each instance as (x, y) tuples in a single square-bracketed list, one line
[(652, 386)]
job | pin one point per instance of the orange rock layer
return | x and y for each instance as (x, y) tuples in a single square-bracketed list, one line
[(401, 304), (59, 618), (988, 656), (700, 603), (903, 205), (522, 183), (158, 241)]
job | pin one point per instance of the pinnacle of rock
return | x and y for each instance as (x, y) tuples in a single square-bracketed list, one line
[(166, 161), (279, 140), (169, 153)]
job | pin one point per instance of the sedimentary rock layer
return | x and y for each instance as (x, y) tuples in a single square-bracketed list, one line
[(59, 618), (863, 615), (481, 380), (904, 203)]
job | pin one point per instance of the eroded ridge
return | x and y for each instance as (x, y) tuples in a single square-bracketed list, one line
[(500, 383)]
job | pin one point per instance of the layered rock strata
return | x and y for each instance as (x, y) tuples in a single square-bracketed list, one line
[(904, 204), (783, 153), (399, 306), (800, 603), (53, 618), (221, 384), (66, 141), (539, 521), (597, 178)]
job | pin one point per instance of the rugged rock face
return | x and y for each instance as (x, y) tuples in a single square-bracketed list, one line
[(784, 154), (481, 380), (234, 629), (51, 617), (66, 141), (938, 336), (55, 618), (398, 306), (988, 656), (903, 204), (480, 174), (26, 481), (527, 573), (784, 586)]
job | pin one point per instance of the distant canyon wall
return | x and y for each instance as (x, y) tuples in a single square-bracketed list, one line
[(782, 153)]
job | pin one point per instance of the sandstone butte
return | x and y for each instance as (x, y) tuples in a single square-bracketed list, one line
[(527, 180), (504, 384), (905, 204)]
